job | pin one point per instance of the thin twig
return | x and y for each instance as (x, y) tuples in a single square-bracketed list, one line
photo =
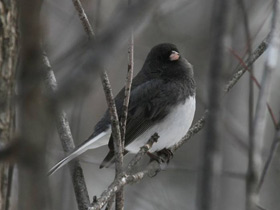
[(251, 95), (67, 142), (241, 70), (129, 77), (272, 151), (114, 123), (128, 84), (143, 150), (254, 173), (83, 17), (118, 183), (254, 79)]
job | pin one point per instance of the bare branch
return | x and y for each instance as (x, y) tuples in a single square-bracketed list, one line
[(114, 122), (129, 77), (67, 142), (255, 159), (124, 178), (272, 151), (251, 94), (254, 79), (143, 150), (118, 183), (83, 17), (255, 55)]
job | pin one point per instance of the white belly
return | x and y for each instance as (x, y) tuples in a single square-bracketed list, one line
[(170, 130)]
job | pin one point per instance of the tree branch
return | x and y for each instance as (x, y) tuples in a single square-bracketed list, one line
[(114, 123), (143, 150), (83, 17), (129, 77), (125, 178), (241, 70), (272, 151), (67, 142), (254, 79), (115, 126)]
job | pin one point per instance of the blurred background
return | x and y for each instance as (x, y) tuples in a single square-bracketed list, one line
[(186, 23)]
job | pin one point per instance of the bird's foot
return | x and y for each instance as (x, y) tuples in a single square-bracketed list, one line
[(161, 156), (155, 157), (167, 153)]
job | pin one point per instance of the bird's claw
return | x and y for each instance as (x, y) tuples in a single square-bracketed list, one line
[(167, 153)]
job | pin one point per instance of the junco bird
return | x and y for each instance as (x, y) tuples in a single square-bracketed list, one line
[(162, 100)]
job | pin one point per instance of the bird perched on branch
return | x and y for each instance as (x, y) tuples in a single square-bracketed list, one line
[(162, 101)]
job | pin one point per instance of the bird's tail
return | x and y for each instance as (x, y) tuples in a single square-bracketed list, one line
[(95, 142), (110, 159)]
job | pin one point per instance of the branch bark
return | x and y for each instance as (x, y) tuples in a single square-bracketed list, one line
[(8, 62)]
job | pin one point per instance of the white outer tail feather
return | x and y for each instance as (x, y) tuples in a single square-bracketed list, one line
[(98, 141)]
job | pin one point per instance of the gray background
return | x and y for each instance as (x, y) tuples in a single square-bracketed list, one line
[(186, 24)]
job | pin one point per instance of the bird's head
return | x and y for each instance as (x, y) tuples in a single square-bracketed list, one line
[(164, 53), (164, 60)]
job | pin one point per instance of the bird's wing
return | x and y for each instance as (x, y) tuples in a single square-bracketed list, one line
[(147, 106)]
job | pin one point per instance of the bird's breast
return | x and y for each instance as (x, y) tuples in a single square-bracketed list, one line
[(170, 129)]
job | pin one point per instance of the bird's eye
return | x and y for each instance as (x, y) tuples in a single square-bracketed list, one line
[(174, 56)]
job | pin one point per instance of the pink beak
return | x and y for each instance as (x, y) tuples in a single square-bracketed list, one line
[(174, 56)]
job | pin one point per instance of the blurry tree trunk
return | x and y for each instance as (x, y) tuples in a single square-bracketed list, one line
[(8, 62), (34, 116), (209, 189)]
